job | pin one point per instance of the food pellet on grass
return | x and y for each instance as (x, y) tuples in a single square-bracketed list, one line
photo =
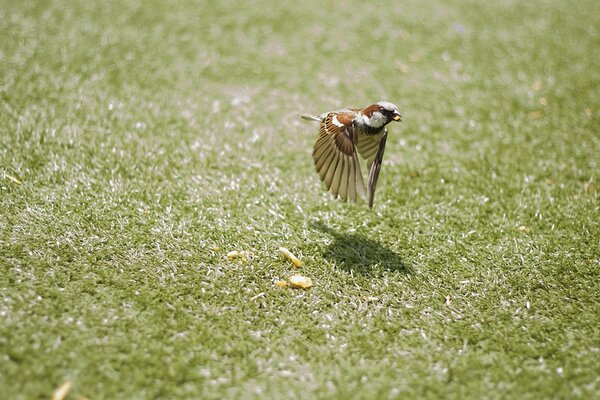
[(241, 256), (294, 282), (300, 282), (290, 256), (62, 391)]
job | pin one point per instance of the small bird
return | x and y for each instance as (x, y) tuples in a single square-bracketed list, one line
[(341, 134)]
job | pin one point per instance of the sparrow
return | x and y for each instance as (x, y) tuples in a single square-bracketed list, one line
[(342, 134)]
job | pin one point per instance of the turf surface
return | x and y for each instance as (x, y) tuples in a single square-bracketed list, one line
[(142, 141)]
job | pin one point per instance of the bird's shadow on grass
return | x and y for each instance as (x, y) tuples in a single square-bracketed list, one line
[(359, 254)]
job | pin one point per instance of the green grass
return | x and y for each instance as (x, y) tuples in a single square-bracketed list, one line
[(142, 141)]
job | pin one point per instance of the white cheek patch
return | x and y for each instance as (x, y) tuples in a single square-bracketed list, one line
[(335, 121), (377, 120)]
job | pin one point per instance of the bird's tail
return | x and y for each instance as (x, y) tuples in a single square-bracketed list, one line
[(309, 117)]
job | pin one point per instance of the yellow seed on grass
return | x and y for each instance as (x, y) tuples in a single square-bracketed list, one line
[(280, 283), (62, 391), (233, 254), (12, 179), (300, 282), (242, 256), (290, 256)]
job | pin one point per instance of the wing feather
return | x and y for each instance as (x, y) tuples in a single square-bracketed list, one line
[(343, 191), (323, 136), (331, 172), (335, 156), (330, 162), (375, 169), (367, 146), (323, 154), (337, 177), (351, 179), (360, 185)]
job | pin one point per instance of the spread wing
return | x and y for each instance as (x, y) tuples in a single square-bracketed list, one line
[(374, 164), (368, 145), (335, 156)]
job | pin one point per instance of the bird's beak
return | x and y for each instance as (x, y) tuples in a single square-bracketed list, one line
[(397, 117)]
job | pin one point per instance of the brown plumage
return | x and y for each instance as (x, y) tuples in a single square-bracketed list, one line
[(345, 134)]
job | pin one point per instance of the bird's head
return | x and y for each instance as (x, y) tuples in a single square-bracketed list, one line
[(380, 114)]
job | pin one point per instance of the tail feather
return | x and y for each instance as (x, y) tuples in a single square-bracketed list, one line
[(309, 117)]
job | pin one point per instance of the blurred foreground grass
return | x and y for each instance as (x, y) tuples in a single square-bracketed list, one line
[(142, 141)]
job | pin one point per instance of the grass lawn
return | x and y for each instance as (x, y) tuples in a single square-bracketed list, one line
[(141, 141)]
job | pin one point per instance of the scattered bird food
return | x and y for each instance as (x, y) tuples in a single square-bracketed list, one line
[(295, 282), (12, 179), (290, 256), (62, 391), (241, 256), (300, 282)]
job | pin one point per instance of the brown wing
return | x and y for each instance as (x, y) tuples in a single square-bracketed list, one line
[(335, 156), (367, 146), (375, 167)]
